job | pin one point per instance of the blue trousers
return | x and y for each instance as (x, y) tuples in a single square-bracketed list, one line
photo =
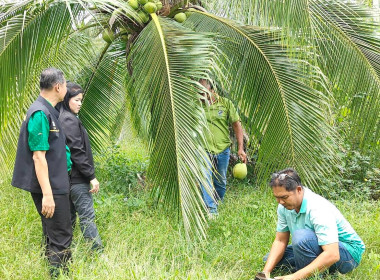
[(217, 180), (305, 249)]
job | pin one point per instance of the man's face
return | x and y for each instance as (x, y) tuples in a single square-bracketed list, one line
[(289, 199), (205, 95), (206, 84)]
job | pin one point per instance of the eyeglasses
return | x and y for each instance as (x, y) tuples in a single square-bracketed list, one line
[(282, 176)]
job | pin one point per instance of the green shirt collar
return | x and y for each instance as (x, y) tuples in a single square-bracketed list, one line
[(303, 205)]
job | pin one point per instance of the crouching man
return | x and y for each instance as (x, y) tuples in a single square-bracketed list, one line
[(322, 239)]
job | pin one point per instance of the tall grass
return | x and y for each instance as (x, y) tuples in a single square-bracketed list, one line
[(145, 242)]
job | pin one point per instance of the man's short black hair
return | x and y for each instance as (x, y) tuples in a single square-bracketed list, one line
[(50, 77), (287, 178)]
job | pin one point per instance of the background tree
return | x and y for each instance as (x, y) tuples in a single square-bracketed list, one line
[(291, 67)]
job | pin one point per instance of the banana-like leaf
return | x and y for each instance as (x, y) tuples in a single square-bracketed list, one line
[(275, 95), (167, 61)]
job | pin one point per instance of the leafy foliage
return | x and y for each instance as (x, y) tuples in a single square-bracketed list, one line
[(165, 64), (119, 173), (355, 177), (339, 37), (275, 96), (104, 96)]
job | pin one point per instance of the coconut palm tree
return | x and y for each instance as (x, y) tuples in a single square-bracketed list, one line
[(289, 66)]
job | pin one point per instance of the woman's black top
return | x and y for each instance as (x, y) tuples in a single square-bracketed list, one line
[(83, 170)]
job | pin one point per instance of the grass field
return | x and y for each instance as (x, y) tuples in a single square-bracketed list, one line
[(145, 242)]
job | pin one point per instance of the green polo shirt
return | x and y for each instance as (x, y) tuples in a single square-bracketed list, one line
[(38, 138), (321, 216), (220, 116)]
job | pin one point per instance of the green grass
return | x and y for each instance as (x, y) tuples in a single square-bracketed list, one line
[(145, 242)]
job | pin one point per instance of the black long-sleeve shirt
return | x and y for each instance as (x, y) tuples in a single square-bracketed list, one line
[(83, 170)]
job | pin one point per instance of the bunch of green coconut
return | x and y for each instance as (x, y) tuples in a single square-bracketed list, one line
[(145, 7), (182, 16)]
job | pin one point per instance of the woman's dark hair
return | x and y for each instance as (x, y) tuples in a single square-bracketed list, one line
[(287, 178), (73, 90)]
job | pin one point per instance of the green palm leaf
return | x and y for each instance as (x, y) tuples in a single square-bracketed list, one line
[(166, 61), (34, 37), (352, 63), (104, 96), (275, 95), (25, 44), (344, 41)]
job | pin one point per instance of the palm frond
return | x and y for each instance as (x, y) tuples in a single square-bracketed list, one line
[(167, 60), (275, 95), (349, 54), (25, 42), (342, 38), (104, 96)]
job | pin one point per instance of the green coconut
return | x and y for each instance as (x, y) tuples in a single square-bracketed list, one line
[(240, 171), (108, 36), (134, 4), (150, 8), (143, 16), (143, 2), (190, 11), (180, 17), (159, 6)]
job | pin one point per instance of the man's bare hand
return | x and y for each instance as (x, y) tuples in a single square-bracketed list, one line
[(243, 156), (286, 277), (95, 186), (48, 206), (264, 275)]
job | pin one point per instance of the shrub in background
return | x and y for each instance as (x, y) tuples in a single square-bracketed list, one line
[(357, 176), (120, 172)]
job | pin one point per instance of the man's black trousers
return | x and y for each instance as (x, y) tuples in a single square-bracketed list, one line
[(57, 230)]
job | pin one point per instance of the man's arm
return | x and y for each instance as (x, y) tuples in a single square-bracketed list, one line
[(42, 172), (327, 258), (239, 136), (277, 251)]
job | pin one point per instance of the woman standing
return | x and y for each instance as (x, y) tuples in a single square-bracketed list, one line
[(82, 178)]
